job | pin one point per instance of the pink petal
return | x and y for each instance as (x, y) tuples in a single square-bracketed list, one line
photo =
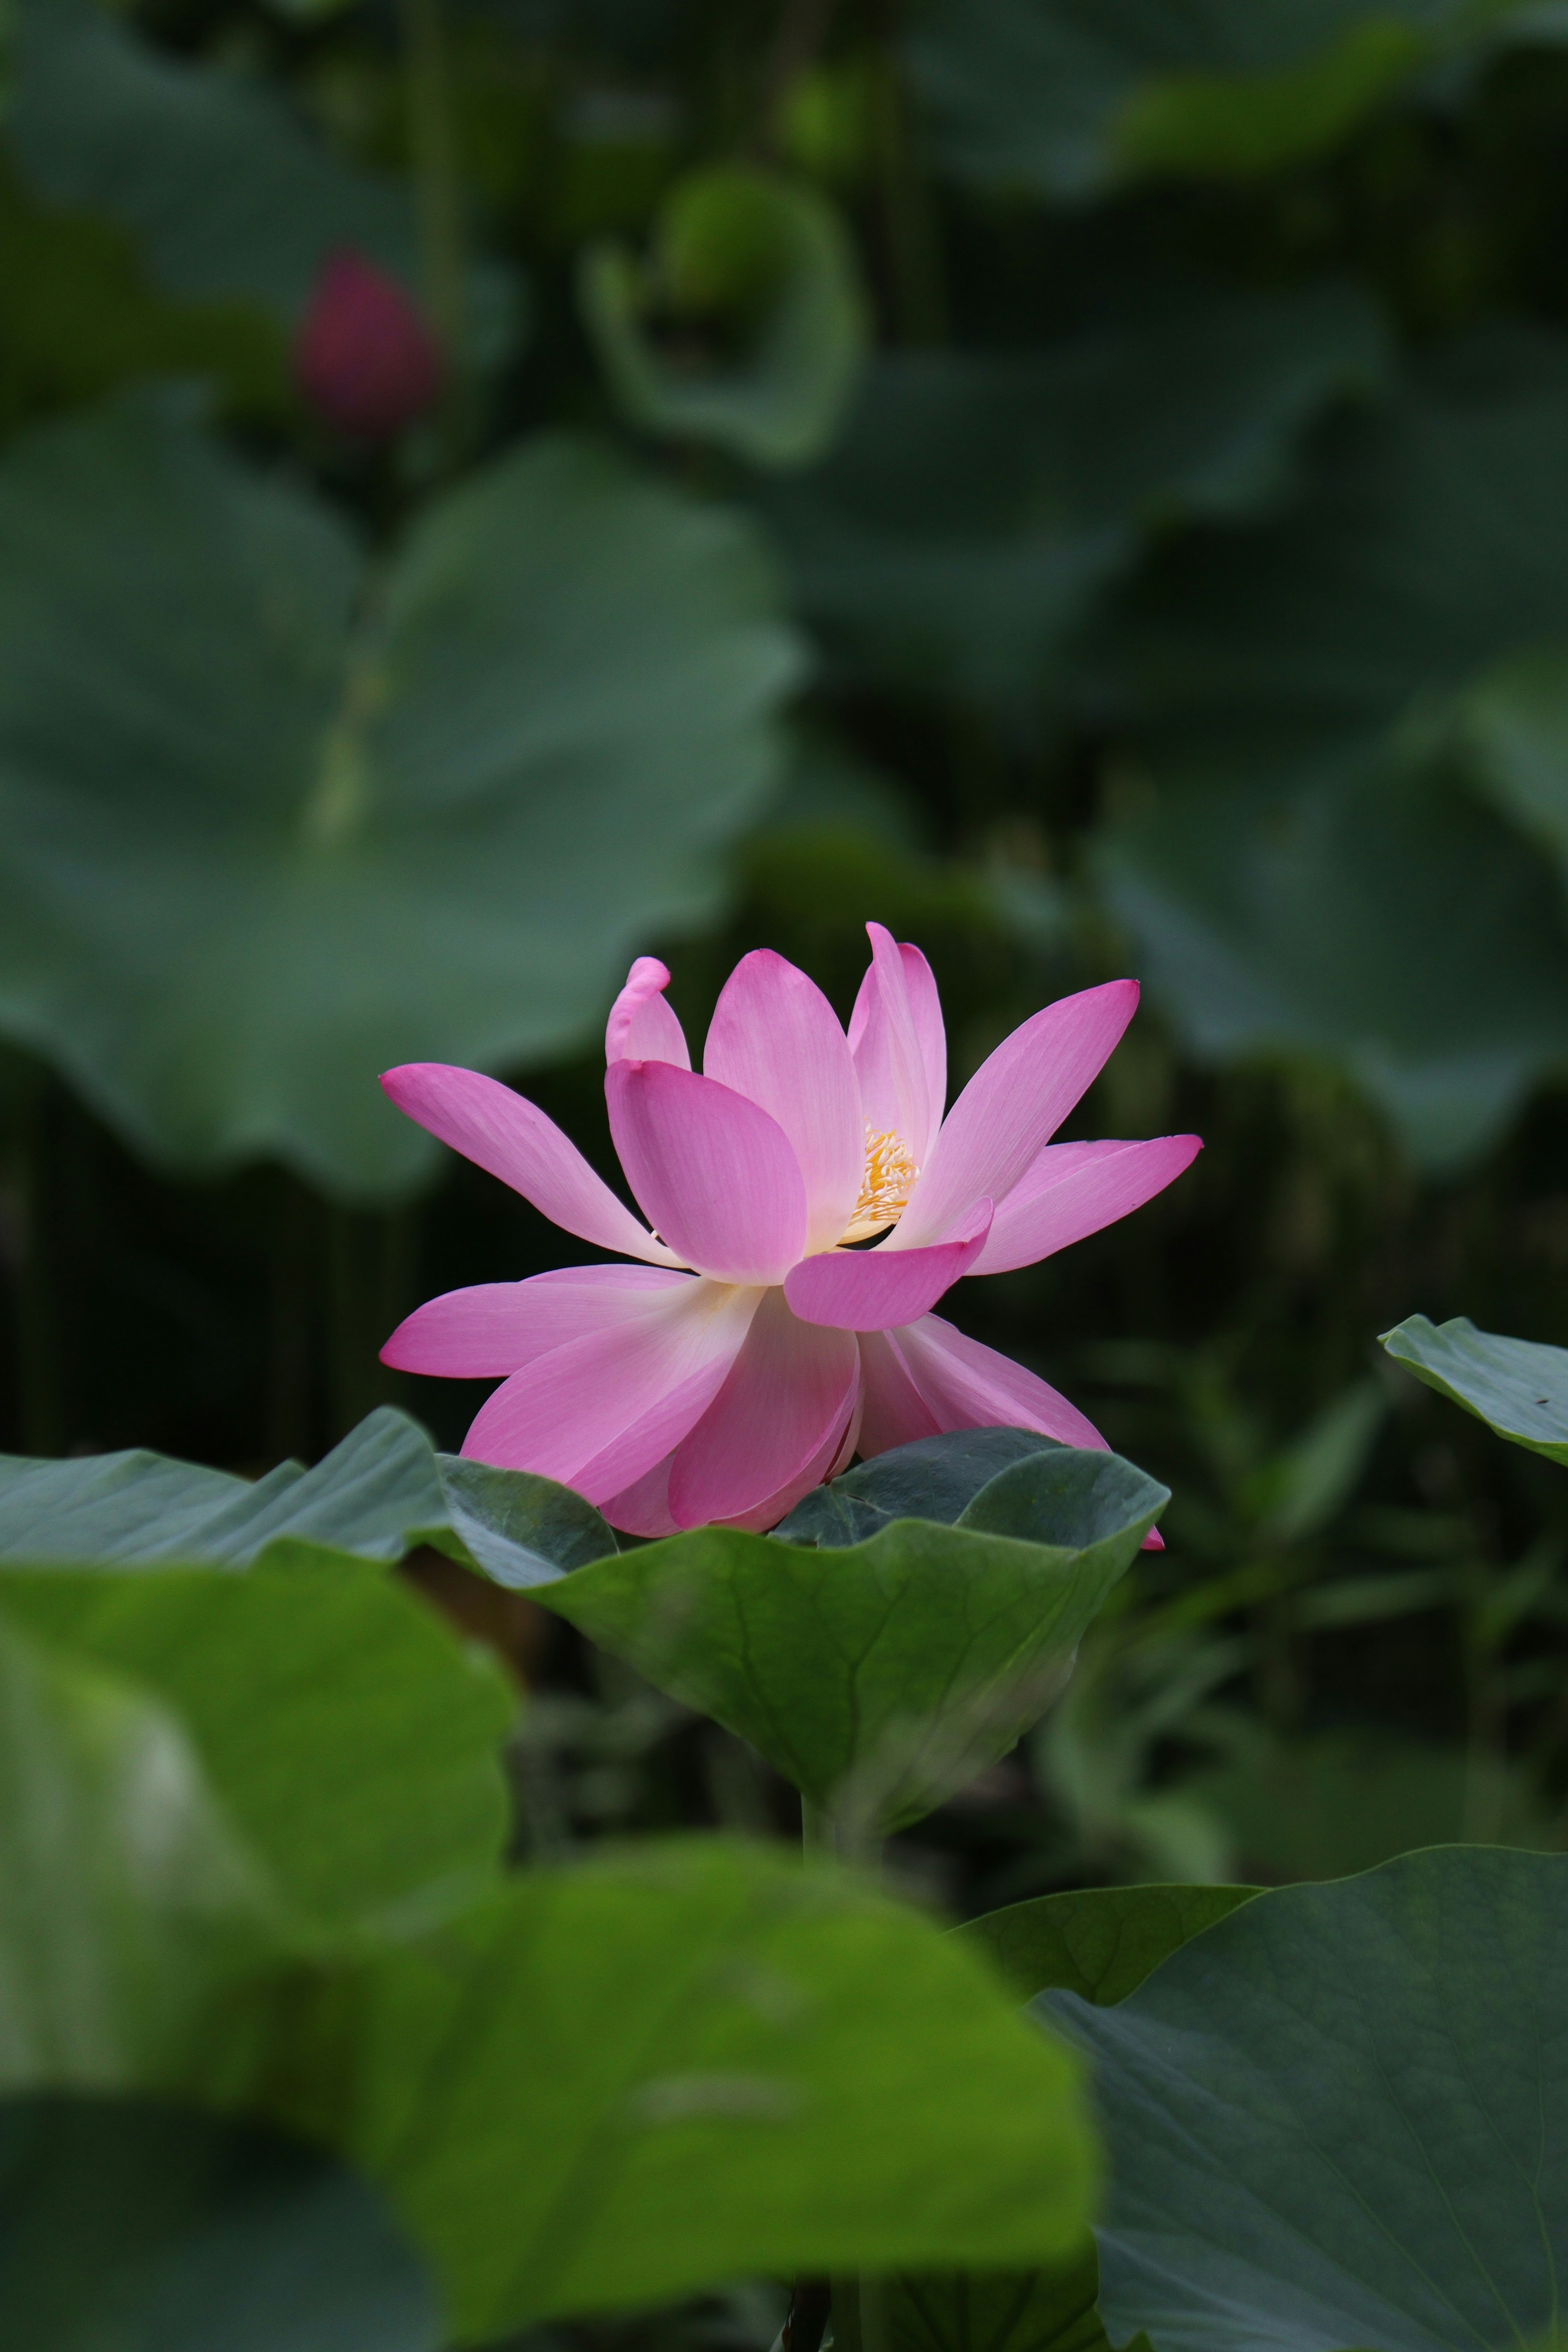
[(713, 1173), (1011, 1106), (616, 1398), (506, 1136), (641, 1027), (886, 1041), (788, 1395), (831, 1456), (930, 1033), (1076, 1188), (498, 1327), (643, 1507), (966, 1386), (873, 1290), (893, 1412), (776, 1039)]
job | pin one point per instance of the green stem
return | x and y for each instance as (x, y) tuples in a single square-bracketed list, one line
[(437, 182), (819, 1831)]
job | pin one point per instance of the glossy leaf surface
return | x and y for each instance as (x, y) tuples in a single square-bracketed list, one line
[(880, 1676), (1517, 1387), (273, 828), (378, 1494), (1332, 2117)]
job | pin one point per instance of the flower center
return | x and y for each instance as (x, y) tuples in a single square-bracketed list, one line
[(885, 1189)]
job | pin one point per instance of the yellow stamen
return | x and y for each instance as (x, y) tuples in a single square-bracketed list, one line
[(890, 1178)]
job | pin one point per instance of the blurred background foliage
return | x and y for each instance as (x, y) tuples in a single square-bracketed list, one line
[(492, 486)]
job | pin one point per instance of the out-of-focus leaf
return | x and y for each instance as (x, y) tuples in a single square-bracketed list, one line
[(272, 827), (1008, 2311), (130, 1911), (379, 1493), (933, 1479), (882, 1675), (351, 1736), (1397, 930), (979, 502), (1514, 728), (1097, 1941), (225, 191), (1331, 2116), (746, 327), (1517, 1387), (145, 2226), (1433, 542), (1070, 97), (1299, 1490), (642, 2074), (1337, 1801)]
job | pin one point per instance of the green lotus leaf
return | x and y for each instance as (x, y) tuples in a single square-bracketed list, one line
[(1396, 931), (274, 824), (147, 2225), (1331, 2115), (379, 1493), (628, 2078), (980, 504), (1069, 97), (746, 327), (223, 187), (933, 1479), (1099, 1942), (352, 1737), (882, 1675), (1517, 1387)]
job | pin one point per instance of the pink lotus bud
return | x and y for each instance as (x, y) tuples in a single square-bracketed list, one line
[(364, 358)]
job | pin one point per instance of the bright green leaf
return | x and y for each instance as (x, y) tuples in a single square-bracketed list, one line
[(1332, 2117), (129, 1913), (259, 850), (1097, 1941), (746, 327), (1397, 930), (642, 2074), (352, 1736), (882, 1675), (979, 503), (148, 2227), (379, 1493), (1517, 1387)]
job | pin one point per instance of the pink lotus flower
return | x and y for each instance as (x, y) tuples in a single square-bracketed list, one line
[(363, 357), (753, 1351)]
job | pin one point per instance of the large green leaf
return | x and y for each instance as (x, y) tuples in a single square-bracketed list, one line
[(759, 272), (1432, 544), (134, 2225), (979, 502), (381, 1492), (933, 1479), (1333, 2117), (632, 2076), (271, 827), (130, 1911), (1517, 1387), (352, 1736), (223, 187), (883, 1675), (1397, 929), (1099, 1942), (1069, 97)]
